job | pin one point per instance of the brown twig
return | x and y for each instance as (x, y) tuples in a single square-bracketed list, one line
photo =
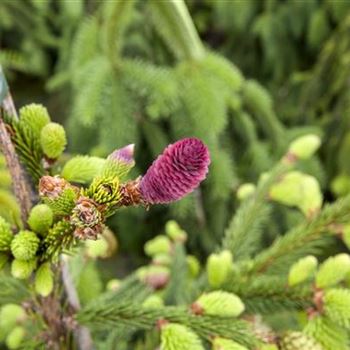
[(21, 186), (81, 333)]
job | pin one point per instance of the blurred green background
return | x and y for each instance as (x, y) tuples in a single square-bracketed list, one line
[(246, 76)]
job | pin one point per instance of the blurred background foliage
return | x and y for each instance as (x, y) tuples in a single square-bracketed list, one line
[(246, 76)]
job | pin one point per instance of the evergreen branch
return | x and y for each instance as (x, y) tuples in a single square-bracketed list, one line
[(115, 27), (132, 315), (266, 295), (177, 292), (130, 290), (257, 99), (23, 194), (305, 238), (175, 25), (241, 236)]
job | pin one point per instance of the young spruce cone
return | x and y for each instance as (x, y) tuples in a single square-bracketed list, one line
[(175, 173)]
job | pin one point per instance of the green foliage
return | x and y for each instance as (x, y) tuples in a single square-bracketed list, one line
[(132, 315), (125, 85)]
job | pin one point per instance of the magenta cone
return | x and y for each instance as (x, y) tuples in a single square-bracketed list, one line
[(177, 172)]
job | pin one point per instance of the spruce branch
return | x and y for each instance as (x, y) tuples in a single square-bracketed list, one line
[(304, 239), (174, 23), (270, 294), (143, 318), (23, 193), (241, 236), (115, 27)]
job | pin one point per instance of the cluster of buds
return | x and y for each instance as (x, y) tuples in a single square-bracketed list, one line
[(175, 173), (161, 249)]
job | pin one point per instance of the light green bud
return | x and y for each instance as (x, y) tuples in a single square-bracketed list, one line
[(333, 270), (10, 315), (305, 147), (25, 245), (313, 198), (226, 344), (82, 169), (328, 334), (22, 269), (245, 190), (219, 267), (113, 284), (194, 266), (96, 248), (153, 302), (174, 231), (44, 280), (340, 185), (289, 189), (53, 140), (179, 337), (302, 270), (299, 190), (15, 338), (34, 117), (336, 304), (268, 347), (219, 303), (6, 235), (158, 245), (40, 218)]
